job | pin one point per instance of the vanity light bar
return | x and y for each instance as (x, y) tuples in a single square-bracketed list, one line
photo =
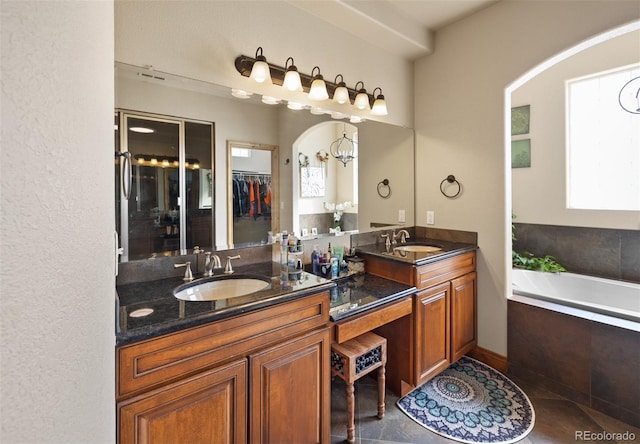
[(244, 65)]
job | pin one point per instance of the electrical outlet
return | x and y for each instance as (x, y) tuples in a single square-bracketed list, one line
[(431, 218), (401, 216)]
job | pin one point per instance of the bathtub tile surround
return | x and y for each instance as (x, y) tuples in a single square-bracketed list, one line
[(562, 357), (602, 252), (588, 362), (615, 370)]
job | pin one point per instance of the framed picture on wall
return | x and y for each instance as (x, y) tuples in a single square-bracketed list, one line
[(311, 182), (520, 117), (521, 153)]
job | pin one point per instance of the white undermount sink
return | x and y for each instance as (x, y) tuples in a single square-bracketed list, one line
[(418, 248), (220, 288)]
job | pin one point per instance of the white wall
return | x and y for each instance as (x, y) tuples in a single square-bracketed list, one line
[(539, 192), (460, 124), (57, 275), (385, 152)]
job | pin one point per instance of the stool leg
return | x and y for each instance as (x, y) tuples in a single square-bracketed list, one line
[(350, 413), (381, 394)]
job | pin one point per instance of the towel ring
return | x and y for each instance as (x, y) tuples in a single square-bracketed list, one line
[(450, 179), (381, 185)]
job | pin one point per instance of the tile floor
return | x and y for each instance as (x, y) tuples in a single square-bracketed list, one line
[(557, 419)]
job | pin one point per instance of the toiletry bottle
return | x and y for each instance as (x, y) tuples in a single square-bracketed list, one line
[(284, 268), (334, 267), (315, 260)]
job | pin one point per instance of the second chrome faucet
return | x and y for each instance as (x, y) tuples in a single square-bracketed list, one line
[(402, 234), (211, 262)]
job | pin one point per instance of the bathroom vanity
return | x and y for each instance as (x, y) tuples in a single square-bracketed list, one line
[(222, 370), (443, 322)]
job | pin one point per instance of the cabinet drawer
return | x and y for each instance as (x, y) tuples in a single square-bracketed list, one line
[(445, 270), (145, 365), (351, 328)]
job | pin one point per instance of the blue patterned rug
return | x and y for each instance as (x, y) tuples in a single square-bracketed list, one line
[(471, 402)]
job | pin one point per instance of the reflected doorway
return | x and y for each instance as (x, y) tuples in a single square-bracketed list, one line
[(252, 215), (165, 187)]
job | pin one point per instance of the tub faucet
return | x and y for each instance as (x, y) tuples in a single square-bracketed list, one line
[(211, 262), (228, 269), (402, 234)]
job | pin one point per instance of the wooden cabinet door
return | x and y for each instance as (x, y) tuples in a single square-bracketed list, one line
[(207, 408), (464, 327), (431, 332), (289, 392)]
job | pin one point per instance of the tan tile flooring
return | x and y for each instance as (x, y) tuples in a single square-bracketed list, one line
[(557, 419)]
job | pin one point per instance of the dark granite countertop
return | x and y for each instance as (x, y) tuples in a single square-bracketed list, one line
[(362, 292), (349, 296), (170, 314), (447, 249)]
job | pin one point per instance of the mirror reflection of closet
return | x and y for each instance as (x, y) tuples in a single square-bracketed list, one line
[(252, 172), (169, 209)]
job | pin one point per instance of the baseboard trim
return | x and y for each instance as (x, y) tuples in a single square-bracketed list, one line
[(490, 358)]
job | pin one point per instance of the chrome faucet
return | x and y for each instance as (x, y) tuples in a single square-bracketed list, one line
[(188, 275), (387, 242), (211, 262), (228, 269), (402, 234)]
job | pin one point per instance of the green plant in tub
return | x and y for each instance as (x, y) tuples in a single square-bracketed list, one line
[(528, 261)]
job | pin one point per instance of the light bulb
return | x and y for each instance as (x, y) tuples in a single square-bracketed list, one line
[(260, 71), (362, 98), (292, 80), (341, 95), (361, 101), (318, 89), (240, 93), (379, 105), (268, 100), (294, 106)]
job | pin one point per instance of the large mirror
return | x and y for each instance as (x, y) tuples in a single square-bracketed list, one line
[(385, 153)]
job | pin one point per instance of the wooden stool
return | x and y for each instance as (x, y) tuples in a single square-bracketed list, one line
[(355, 358)]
